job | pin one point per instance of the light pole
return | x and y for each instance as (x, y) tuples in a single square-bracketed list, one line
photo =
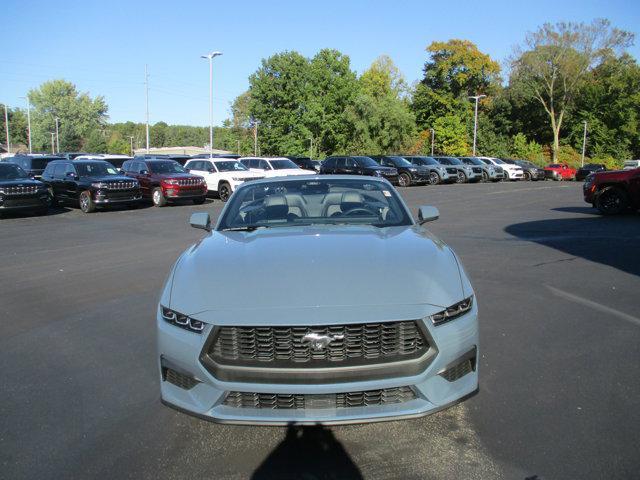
[(433, 139), (584, 141), (255, 137), (475, 121), (146, 90), (210, 56), (57, 136), (28, 121), (6, 128), (131, 140), (311, 147), (53, 142)]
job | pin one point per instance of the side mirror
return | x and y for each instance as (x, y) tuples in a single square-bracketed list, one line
[(70, 174), (211, 170), (201, 220), (144, 172), (427, 214)]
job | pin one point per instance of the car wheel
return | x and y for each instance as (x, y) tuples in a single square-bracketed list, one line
[(158, 198), (404, 180), (199, 201), (434, 178), (462, 177), (611, 201), (224, 191), (86, 202), (527, 176), (485, 177), (505, 177)]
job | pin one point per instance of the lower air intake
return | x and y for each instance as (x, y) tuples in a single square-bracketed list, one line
[(460, 370), (179, 379), (297, 401)]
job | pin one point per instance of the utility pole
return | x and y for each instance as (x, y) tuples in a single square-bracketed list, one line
[(146, 89), (53, 142), (6, 128), (475, 121), (238, 147), (28, 122), (131, 140), (433, 139), (57, 136), (255, 137), (311, 147), (211, 56), (584, 141)]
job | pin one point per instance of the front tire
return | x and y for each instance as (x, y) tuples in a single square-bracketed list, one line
[(462, 177), (224, 191), (527, 176), (404, 180), (434, 178), (158, 198), (612, 201), (485, 177), (86, 202)]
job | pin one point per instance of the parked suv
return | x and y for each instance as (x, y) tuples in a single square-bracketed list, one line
[(588, 169), (560, 171), (358, 165), (531, 171), (34, 165), (163, 181), (511, 172), (222, 175), (465, 173), (408, 174), (90, 184), (115, 160), (18, 191), (437, 173), (306, 163), (274, 167), (631, 164), (489, 172), (613, 192)]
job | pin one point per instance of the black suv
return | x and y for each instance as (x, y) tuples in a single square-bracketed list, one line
[(358, 165), (90, 183), (408, 174), (34, 165), (306, 163), (588, 169), (18, 191)]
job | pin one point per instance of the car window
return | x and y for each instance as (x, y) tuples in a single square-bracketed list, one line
[(168, 166), (282, 164), (264, 165), (59, 170), (291, 203), (93, 169), (68, 168), (350, 163), (229, 166), (329, 163), (10, 171)]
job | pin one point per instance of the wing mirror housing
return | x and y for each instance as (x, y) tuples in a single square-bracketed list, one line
[(144, 172), (201, 220), (425, 214)]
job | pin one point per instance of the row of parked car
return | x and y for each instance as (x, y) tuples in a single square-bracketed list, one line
[(34, 182)]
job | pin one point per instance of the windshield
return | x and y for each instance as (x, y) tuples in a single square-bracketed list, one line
[(165, 167), (93, 169), (498, 161), (290, 203), (524, 163), (422, 161), (366, 162), (400, 162), (230, 166), (449, 161), (9, 171), (472, 161), (282, 164)]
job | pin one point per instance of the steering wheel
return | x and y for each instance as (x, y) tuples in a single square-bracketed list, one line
[(359, 211)]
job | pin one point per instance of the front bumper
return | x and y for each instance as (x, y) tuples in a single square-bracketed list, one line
[(106, 198), (24, 202), (185, 193), (180, 350)]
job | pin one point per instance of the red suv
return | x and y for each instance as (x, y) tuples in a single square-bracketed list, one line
[(164, 181), (613, 192), (560, 171)]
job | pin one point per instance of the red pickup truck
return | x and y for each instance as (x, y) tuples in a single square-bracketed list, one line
[(560, 171), (613, 192)]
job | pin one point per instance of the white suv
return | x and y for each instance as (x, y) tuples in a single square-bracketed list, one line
[(274, 167), (511, 172), (222, 175)]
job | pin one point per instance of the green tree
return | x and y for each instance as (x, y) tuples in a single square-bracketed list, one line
[(556, 59), (383, 79), (451, 136), (78, 114), (95, 142)]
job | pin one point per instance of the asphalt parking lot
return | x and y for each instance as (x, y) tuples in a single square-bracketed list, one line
[(557, 286)]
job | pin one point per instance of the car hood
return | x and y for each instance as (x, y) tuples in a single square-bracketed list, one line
[(20, 182), (324, 274), (107, 178), (243, 174)]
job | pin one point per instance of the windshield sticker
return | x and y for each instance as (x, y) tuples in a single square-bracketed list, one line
[(386, 193)]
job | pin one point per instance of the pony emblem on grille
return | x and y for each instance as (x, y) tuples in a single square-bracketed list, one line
[(319, 342)]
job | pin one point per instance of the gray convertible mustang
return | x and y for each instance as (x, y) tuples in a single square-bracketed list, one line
[(316, 299)]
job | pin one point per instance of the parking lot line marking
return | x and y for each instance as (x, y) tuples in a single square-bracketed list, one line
[(518, 190), (594, 305)]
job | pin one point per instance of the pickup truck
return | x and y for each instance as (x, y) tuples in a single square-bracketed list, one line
[(560, 171)]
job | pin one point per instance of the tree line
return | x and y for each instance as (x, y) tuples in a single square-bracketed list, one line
[(561, 76)]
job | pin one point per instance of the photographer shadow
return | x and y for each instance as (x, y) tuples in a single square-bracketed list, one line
[(308, 452)]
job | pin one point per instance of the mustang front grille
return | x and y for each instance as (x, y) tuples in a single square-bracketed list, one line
[(280, 401), (364, 343)]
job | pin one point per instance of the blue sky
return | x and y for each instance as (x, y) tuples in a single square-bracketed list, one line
[(103, 46)]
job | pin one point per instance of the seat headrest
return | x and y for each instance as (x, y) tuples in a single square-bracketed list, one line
[(275, 201), (351, 197)]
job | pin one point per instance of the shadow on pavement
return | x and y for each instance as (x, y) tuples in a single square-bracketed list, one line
[(610, 241), (309, 453)]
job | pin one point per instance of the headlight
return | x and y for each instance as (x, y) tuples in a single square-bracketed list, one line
[(182, 321), (377, 173), (171, 181), (442, 169), (454, 311), (100, 185), (413, 169)]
